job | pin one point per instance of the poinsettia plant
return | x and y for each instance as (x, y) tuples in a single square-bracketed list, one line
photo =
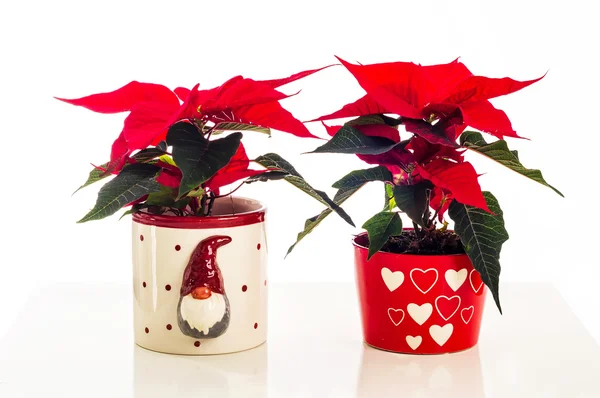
[(178, 148), (425, 174)]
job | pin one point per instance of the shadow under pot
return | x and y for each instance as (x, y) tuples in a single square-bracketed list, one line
[(418, 304)]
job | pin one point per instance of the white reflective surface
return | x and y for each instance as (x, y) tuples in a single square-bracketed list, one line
[(77, 342)]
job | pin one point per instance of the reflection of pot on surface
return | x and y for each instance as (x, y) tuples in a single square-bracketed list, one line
[(242, 374), (384, 374)]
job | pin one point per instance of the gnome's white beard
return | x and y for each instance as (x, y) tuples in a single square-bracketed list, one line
[(203, 314)]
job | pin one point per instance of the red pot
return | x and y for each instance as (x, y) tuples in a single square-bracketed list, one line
[(418, 304)]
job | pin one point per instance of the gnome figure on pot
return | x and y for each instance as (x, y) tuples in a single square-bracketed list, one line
[(203, 310)]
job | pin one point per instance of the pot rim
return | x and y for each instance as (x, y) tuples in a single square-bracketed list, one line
[(206, 222), (356, 245)]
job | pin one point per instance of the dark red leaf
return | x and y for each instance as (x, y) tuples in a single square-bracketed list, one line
[(331, 130), (241, 93), (483, 116), (362, 107), (274, 116), (458, 178), (169, 176), (124, 98), (147, 124), (444, 77), (118, 154), (424, 151), (274, 83), (432, 133), (235, 170), (399, 87), (440, 201), (478, 88)]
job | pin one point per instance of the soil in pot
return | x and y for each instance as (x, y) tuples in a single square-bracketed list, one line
[(432, 243)]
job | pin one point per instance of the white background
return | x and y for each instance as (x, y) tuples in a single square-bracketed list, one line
[(71, 49)]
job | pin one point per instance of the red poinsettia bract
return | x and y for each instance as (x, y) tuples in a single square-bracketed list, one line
[(448, 93), (153, 108), (435, 103)]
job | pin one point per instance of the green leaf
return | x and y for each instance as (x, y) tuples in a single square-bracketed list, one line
[(390, 201), (198, 158), (350, 140), (167, 159), (196, 193), (143, 156), (499, 152), (347, 186), (412, 199), (360, 177), (267, 176), (95, 175), (482, 235), (148, 154), (128, 212), (274, 161), (165, 196), (133, 182), (380, 227), (232, 126)]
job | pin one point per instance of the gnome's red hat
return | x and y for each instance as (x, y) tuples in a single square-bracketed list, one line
[(202, 270)]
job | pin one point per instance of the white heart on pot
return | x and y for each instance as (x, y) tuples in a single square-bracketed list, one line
[(480, 284), (393, 280), (396, 316), (423, 278), (420, 313), (455, 279), (470, 310), (450, 305), (414, 341), (441, 334)]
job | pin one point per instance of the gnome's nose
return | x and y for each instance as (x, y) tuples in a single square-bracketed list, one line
[(201, 293)]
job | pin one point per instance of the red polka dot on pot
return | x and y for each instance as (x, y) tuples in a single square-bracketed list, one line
[(244, 288), (177, 247), (142, 238), (197, 344), (147, 330), (168, 288), (169, 327), (256, 326), (258, 247), (144, 284)]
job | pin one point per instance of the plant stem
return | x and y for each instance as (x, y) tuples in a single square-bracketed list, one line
[(417, 230), (202, 205), (211, 202), (232, 192)]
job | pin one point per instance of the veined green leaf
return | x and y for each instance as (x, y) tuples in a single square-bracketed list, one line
[(482, 235), (347, 186), (274, 161), (132, 183), (380, 228), (233, 126), (198, 158), (412, 200), (142, 156), (350, 140), (499, 152), (390, 201)]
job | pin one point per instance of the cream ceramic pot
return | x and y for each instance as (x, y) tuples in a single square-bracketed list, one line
[(200, 283)]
